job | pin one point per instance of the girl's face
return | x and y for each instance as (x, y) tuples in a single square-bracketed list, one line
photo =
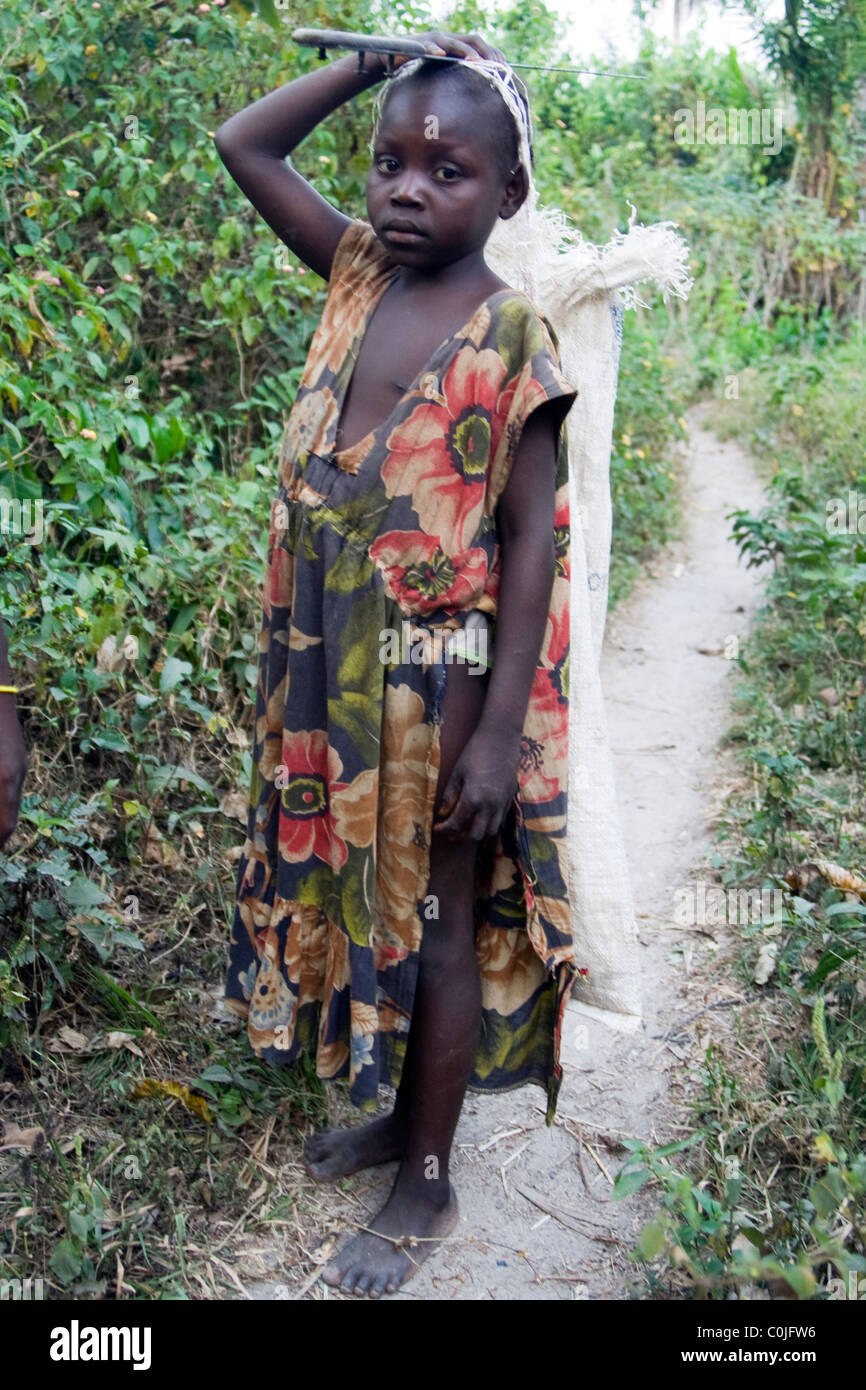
[(436, 187)]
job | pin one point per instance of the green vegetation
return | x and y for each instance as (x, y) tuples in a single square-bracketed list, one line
[(152, 334), (770, 1187)]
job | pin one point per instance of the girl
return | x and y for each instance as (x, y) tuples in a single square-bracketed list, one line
[(401, 907)]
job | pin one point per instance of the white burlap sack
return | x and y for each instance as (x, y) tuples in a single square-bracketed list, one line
[(582, 291)]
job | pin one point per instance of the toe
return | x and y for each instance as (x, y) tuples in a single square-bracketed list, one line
[(350, 1281), (378, 1286), (333, 1275)]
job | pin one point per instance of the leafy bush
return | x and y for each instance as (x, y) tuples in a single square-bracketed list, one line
[(769, 1186), (152, 334)]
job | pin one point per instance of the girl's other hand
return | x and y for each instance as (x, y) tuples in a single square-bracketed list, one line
[(481, 787)]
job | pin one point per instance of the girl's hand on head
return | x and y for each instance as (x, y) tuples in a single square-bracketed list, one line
[(442, 44)]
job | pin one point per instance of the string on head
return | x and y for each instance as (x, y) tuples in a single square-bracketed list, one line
[(501, 77)]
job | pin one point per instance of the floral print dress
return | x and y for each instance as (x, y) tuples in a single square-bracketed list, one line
[(397, 534)]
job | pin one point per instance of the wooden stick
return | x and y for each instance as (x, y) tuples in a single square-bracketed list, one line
[(413, 48)]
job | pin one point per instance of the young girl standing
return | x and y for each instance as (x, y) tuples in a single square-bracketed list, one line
[(402, 912)]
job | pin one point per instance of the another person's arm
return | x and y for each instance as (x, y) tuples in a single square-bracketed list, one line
[(13, 754)]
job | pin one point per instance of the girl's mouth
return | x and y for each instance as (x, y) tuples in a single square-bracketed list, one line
[(403, 233)]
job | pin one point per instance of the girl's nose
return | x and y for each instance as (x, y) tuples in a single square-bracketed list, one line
[(407, 189)]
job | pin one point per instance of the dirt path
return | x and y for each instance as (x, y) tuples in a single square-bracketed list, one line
[(667, 689)]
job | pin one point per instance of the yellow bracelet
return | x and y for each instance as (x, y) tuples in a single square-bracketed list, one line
[(8, 689)]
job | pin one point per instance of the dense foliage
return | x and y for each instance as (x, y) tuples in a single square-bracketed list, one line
[(771, 1189), (152, 333)]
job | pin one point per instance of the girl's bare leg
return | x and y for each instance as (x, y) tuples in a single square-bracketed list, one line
[(441, 1049)]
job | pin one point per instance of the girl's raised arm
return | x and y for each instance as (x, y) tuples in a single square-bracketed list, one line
[(253, 145)]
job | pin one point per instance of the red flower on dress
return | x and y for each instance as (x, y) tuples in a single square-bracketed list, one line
[(386, 955), (562, 537), (550, 687), (550, 711), (532, 395), (281, 580), (422, 577), (545, 742), (308, 776), (439, 454), (556, 651)]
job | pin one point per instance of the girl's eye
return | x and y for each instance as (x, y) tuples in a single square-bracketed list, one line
[(447, 174), (386, 163)]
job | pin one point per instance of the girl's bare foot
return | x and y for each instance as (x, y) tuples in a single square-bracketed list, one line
[(337, 1153), (415, 1217)]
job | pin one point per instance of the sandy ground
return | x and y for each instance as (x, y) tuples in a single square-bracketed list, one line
[(537, 1221)]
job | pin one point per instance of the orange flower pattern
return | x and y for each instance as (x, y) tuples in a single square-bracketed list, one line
[(332, 881)]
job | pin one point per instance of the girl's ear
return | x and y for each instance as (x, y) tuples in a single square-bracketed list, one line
[(516, 193)]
